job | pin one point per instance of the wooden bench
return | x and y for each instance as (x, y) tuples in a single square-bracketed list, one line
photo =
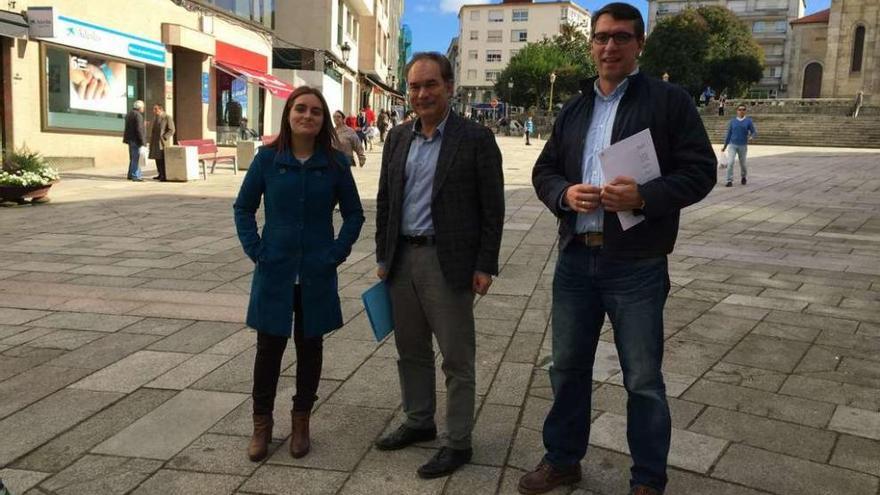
[(208, 150)]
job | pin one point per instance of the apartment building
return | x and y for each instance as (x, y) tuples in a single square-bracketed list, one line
[(491, 34), (769, 21), (378, 54)]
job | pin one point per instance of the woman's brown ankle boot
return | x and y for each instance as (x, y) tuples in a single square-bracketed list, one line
[(259, 445), (299, 439)]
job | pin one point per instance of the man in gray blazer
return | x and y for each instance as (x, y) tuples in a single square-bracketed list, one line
[(161, 136), (439, 217)]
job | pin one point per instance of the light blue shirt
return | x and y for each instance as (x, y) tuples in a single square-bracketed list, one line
[(421, 165), (598, 138)]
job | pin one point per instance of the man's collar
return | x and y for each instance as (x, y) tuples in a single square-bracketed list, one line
[(417, 125), (617, 90)]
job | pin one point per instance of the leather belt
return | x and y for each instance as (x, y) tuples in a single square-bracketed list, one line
[(590, 239), (419, 240)]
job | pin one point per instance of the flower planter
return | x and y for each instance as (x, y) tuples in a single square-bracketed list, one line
[(19, 194)]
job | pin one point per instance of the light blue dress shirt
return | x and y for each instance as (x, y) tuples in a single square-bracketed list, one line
[(598, 138), (421, 165)]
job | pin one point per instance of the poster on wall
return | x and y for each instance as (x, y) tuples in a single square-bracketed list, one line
[(97, 84)]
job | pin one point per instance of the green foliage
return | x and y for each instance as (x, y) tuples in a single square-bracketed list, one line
[(23, 167), (704, 46), (566, 54)]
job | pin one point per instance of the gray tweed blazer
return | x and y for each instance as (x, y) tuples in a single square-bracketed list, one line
[(467, 204)]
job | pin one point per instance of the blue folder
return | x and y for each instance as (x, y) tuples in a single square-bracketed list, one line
[(377, 302)]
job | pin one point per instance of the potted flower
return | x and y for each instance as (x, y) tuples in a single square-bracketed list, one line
[(26, 174)]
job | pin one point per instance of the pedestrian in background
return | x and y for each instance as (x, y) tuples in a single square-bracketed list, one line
[(382, 124), (135, 136), (347, 141), (161, 136), (530, 128), (603, 270), (439, 218), (740, 130), (300, 179)]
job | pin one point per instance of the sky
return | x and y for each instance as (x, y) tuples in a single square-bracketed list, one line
[(435, 22)]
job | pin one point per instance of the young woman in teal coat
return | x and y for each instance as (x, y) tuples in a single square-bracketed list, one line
[(294, 292)]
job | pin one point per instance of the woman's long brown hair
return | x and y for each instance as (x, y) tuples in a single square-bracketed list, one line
[(326, 136)]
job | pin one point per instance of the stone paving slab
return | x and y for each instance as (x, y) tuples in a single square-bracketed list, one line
[(169, 428), (771, 355)]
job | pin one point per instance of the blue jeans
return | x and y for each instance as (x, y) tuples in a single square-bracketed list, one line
[(134, 172), (734, 150), (586, 286)]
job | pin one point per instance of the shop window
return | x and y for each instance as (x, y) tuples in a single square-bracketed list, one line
[(238, 104), (74, 104)]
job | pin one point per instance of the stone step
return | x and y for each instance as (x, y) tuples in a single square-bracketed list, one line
[(805, 130)]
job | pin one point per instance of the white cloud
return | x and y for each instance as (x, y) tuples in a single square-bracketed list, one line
[(453, 6)]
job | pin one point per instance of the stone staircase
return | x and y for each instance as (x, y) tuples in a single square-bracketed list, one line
[(804, 130)]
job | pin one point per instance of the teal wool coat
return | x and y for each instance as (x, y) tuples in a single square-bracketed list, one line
[(298, 239)]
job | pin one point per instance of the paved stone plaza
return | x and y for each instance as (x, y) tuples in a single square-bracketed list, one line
[(125, 365)]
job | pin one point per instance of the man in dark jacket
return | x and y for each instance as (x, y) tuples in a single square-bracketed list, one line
[(603, 269), (135, 136), (161, 136), (439, 217)]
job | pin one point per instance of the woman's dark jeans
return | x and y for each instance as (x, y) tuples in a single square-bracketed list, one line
[(267, 365)]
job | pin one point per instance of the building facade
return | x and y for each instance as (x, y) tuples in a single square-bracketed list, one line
[(769, 22), (836, 52), (71, 80), (345, 48), (490, 35)]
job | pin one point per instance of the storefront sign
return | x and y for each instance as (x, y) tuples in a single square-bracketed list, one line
[(206, 87), (88, 36), (41, 22)]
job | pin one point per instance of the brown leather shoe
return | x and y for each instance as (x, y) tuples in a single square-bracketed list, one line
[(644, 490), (259, 446), (299, 439), (546, 477)]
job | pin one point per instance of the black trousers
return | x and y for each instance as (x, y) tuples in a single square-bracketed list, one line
[(160, 167), (267, 365)]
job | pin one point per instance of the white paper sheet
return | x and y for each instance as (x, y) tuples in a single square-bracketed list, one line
[(631, 157)]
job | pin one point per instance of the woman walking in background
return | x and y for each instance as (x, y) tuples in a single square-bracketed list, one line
[(300, 179), (347, 140)]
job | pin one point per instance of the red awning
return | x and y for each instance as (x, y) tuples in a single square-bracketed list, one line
[(271, 83)]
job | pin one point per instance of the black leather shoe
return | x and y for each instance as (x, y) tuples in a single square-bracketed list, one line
[(445, 462), (404, 437), (743, 181)]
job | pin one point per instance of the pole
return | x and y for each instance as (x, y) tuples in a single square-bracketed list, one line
[(552, 81)]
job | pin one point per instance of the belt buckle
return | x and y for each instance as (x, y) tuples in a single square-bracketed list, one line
[(593, 239)]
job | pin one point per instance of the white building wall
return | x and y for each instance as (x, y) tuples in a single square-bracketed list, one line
[(544, 21)]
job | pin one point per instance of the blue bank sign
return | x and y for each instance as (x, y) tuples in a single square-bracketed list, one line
[(81, 34)]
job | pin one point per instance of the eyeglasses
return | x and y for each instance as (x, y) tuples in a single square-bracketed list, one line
[(620, 38)]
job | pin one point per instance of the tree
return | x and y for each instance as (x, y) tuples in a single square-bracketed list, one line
[(735, 60), (567, 54), (704, 46)]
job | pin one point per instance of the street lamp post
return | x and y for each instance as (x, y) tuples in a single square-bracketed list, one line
[(552, 80), (509, 96), (470, 95)]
